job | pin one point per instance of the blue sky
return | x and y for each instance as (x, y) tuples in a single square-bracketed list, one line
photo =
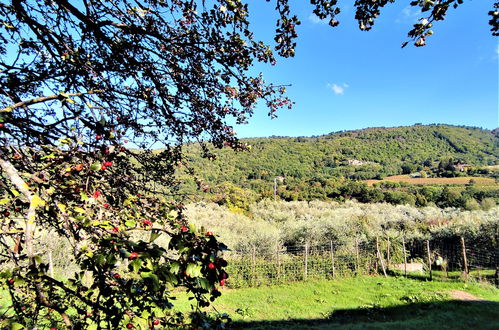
[(343, 78)]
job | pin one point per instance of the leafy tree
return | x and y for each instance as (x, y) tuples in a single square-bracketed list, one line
[(83, 82)]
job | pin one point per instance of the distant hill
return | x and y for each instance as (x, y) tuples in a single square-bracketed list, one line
[(359, 154)]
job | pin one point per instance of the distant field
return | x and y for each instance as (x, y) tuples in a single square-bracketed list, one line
[(459, 180)]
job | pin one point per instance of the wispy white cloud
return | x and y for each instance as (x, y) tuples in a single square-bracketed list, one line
[(316, 20), (408, 15), (338, 89)]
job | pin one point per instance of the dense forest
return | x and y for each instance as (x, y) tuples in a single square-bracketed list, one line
[(331, 167)]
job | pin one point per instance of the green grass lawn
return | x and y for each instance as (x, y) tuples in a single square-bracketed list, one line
[(360, 303), (365, 302)]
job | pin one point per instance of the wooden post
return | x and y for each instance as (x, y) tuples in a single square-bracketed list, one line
[(378, 252), (306, 261), (388, 252), (51, 265), (357, 262), (332, 257), (465, 260), (405, 256), (429, 258), (253, 266), (278, 265)]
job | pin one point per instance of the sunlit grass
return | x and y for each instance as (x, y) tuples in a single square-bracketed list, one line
[(320, 301)]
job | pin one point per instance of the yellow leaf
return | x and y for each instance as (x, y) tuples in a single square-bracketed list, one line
[(37, 201), (79, 210), (62, 207)]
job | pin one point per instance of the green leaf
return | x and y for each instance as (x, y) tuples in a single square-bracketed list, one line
[(100, 259), (204, 283), (130, 223), (153, 277), (154, 234), (4, 201), (136, 265), (175, 267), (79, 210), (83, 196), (16, 326), (193, 270), (95, 166)]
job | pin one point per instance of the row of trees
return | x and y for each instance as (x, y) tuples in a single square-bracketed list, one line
[(469, 197)]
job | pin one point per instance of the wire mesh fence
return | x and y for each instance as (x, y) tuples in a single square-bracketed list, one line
[(427, 259)]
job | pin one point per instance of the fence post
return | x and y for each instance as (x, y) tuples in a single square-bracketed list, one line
[(465, 260), (253, 266), (405, 256), (278, 265), (332, 257), (378, 252), (429, 258), (357, 262), (306, 261), (388, 252)]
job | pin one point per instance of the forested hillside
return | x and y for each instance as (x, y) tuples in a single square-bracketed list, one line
[(360, 154), (329, 166)]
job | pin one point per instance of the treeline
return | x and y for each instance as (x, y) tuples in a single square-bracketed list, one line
[(468, 197), (436, 150), (330, 168)]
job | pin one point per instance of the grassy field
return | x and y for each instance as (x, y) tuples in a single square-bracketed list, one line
[(365, 302), (459, 180), (369, 302)]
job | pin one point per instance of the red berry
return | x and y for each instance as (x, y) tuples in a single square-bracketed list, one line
[(98, 137), (209, 233), (222, 282), (6, 213), (147, 222), (115, 229), (96, 194), (133, 255), (211, 265), (129, 326), (155, 322), (106, 205), (184, 228), (1, 125), (53, 328), (116, 275), (108, 164), (103, 167)]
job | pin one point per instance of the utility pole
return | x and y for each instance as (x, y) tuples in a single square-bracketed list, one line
[(275, 189)]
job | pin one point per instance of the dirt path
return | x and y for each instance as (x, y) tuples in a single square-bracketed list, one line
[(465, 296)]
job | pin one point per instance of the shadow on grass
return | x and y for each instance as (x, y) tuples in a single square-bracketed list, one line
[(487, 276), (454, 314)]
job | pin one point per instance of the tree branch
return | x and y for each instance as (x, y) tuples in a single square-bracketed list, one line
[(61, 96)]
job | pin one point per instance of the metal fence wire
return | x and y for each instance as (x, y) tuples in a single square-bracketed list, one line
[(433, 259)]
